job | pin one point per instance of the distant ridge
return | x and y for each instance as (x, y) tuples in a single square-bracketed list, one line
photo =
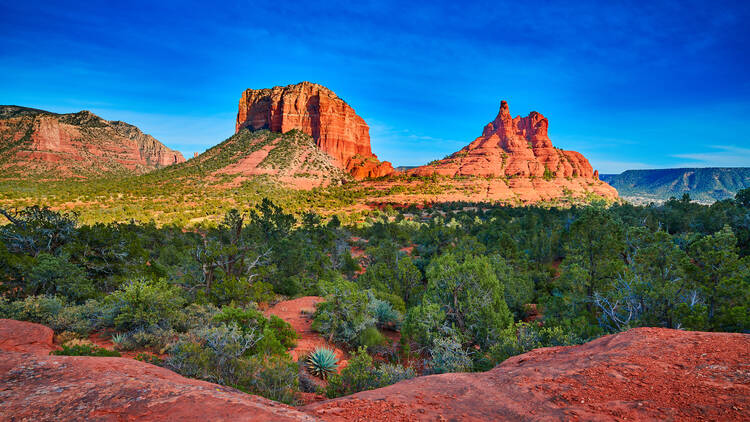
[(49, 145), (705, 185)]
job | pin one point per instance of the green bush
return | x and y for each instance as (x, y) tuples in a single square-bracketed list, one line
[(40, 309), (141, 304), (345, 314), (276, 334), (361, 374), (370, 338), (385, 315), (57, 275), (224, 355), (83, 349), (447, 355)]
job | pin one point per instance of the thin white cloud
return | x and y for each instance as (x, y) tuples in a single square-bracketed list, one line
[(721, 156)]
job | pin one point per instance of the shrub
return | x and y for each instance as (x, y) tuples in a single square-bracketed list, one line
[(56, 275), (447, 355), (385, 315), (322, 362), (361, 374), (523, 337), (274, 378), (223, 354), (40, 309), (276, 334), (141, 304), (152, 337), (345, 314), (370, 338), (83, 348)]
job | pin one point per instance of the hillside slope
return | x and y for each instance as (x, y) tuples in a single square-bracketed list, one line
[(291, 158), (76, 145), (703, 184)]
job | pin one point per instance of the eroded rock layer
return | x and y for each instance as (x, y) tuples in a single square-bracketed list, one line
[(75, 145), (318, 112), (514, 147)]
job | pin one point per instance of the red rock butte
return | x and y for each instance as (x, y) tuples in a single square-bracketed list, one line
[(512, 147), (318, 112)]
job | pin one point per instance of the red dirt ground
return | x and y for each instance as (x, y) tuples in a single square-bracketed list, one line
[(293, 312)]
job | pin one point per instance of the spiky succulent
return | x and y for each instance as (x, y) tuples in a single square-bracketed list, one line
[(322, 362)]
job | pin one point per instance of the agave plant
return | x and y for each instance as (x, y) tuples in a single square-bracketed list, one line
[(322, 362)]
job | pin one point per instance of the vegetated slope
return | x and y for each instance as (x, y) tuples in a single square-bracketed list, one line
[(291, 158), (317, 111), (702, 184), (80, 145), (640, 374)]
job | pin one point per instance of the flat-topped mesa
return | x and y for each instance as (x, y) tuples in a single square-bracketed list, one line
[(318, 112), (513, 146)]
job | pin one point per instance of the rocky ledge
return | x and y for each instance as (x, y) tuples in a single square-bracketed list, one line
[(641, 374)]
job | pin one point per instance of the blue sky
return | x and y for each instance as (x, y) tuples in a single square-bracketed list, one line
[(628, 84)]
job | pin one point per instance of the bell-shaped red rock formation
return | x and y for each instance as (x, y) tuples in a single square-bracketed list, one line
[(513, 147), (318, 112)]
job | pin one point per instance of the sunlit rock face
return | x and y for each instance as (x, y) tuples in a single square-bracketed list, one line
[(318, 112)]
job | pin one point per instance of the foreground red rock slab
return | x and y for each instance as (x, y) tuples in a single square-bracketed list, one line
[(37, 387), (642, 374)]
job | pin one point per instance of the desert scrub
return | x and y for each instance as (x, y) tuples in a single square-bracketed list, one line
[(83, 348), (322, 362), (362, 374), (345, 315), (447, 355)]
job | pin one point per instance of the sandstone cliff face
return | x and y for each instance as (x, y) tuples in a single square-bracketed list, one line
[(318, 112), (75, 145), (512, 147)]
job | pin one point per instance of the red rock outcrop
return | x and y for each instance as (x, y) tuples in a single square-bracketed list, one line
[(512, 147), (75, 145), (642, 374), (39, 387), (318, 112)]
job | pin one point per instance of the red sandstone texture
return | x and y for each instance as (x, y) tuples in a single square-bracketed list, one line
[(318, 112), (37, 387), (516, 147), (75, 145), (641, 374)]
